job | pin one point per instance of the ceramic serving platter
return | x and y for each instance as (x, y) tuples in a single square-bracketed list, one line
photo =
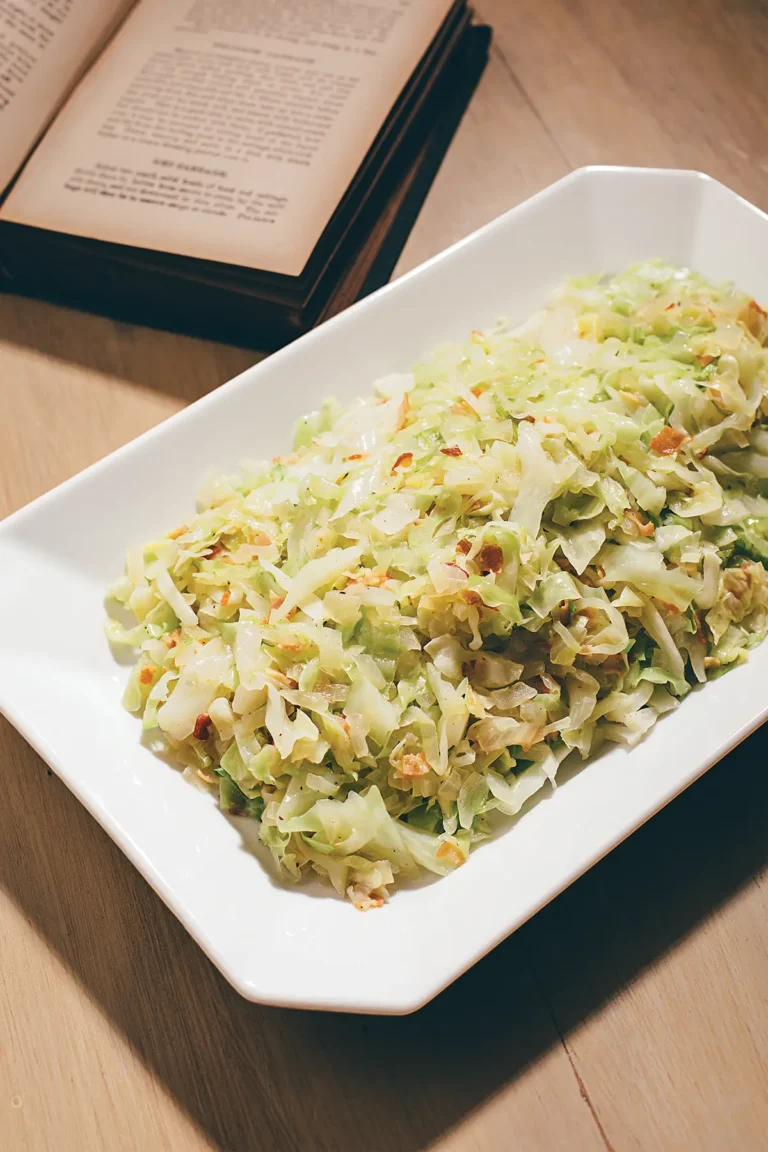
[(61, 687)]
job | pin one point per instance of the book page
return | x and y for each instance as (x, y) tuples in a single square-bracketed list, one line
[(44, 46), (225, 130)]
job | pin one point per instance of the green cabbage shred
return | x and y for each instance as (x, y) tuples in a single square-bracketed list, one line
[(537, 541)]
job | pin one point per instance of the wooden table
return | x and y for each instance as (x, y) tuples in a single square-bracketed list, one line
[(629, 1014)]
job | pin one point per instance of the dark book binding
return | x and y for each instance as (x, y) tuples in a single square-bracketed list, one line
[(355, 254)]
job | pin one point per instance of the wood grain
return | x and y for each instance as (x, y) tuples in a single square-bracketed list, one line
[(631, 1014)]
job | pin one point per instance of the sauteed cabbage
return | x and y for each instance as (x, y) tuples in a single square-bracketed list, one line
[(537, 541)]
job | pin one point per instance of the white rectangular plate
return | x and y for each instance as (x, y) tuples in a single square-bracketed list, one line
[(61, 687)]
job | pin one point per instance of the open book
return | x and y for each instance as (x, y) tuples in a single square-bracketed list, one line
[(238, 168)]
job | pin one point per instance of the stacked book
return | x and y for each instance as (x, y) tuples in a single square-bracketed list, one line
[(239, 169)]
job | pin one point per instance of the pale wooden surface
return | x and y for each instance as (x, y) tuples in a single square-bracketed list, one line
[(631, 1013)]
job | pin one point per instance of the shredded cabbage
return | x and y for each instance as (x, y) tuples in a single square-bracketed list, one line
[(537, 541)]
